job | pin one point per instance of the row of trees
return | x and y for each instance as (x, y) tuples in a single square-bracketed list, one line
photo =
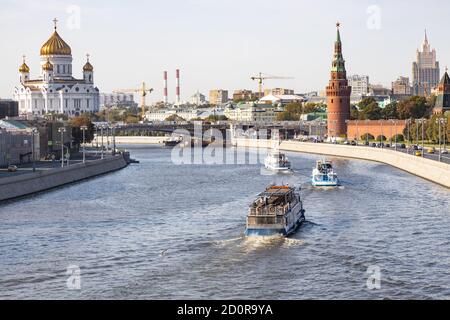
[(429, 129), (412, 108), (294, 110)]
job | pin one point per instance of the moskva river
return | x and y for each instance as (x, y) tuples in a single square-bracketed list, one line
[(163, 231)]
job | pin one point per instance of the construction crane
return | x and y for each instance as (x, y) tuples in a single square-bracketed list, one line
[(143, 91), (262, 77)]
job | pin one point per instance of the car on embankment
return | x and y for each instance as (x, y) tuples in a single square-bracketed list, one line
[(12, 168)]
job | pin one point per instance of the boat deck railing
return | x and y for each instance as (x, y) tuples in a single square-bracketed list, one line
[(265, 220), (270, 211)]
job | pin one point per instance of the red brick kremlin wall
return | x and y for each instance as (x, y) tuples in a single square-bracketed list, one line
[(375, 128)]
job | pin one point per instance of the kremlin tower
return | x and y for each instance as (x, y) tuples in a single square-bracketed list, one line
[(338, 94)]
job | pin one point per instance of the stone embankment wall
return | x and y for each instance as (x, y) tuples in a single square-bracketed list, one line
[(26, 184)]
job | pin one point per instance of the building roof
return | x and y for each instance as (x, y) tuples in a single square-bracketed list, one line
[(13, 125), (55, 46), (445, 79)]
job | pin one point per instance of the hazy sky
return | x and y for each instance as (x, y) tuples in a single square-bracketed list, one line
[(221, 43)]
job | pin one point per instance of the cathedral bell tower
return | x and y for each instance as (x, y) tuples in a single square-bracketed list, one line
[(338, 93)]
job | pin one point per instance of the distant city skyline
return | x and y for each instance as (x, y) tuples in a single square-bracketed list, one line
[(221, 44)]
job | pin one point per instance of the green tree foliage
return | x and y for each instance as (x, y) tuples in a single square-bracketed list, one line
[(292, 112), (399, 138), (390, 111), (414, 108), (77, 134), (367, 136), (381, 138), (175, 117), (368, 109)]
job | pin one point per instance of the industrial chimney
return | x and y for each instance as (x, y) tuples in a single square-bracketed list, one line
[(178, 99), (166, 91)]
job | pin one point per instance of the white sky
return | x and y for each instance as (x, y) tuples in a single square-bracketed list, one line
[(221, 43)]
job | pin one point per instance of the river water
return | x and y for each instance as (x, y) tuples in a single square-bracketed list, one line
[(162, 231)]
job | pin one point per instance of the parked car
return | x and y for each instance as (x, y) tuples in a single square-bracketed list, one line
[(418, 153), (444, 151), (373, 145), (387, 145), (353, 143), (367, 143), (12, 168), (431, 151), (346, 142)]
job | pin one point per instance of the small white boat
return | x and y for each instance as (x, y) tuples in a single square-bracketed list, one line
[(323, 175), (277, 162)]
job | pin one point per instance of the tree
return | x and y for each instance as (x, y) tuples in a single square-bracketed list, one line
[(312, 107), (354, 113), (367, 136), (414, 108), (131, 119), (399, 138), (371, 112), (77, 134), (390, 111), (365, 103), (382, 138), (292, 112), (175, 118)]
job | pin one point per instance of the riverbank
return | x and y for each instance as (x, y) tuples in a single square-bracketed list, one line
[(434, 171), (140, 140), (34, 182)]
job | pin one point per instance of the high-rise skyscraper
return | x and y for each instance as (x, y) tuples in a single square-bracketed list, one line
[(426, 74), (338, 93)]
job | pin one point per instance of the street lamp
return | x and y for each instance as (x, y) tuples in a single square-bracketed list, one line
[(445, 133), (441, 122), (408, 128), (367, 132), (84, 128), (396, 134), (102, 127), (381, 135), (33, 132), (357, 132), (422, 123), (62, 130), (114, 139)]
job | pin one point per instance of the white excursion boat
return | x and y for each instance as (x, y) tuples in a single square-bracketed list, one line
[(277, 162), (277, 211), (323, 175)]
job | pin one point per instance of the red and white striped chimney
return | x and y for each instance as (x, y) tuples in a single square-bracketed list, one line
[(166, 91), (178, 100)]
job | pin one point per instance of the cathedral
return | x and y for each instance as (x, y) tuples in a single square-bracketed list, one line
[(56, 91)]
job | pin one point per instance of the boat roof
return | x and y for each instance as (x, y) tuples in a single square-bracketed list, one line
[(277, 191)]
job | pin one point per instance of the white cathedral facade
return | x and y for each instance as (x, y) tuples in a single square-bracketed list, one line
[(56, 91)]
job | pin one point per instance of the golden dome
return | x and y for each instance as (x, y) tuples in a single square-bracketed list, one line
[(88, 66), (24, 68), (56, 46), (48, 66)]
